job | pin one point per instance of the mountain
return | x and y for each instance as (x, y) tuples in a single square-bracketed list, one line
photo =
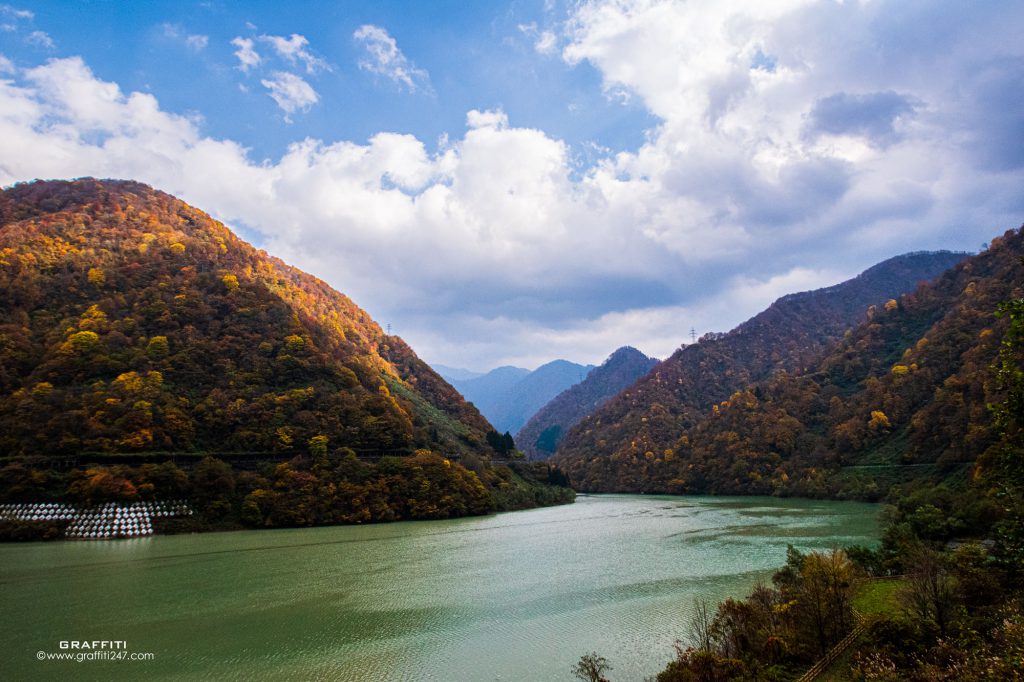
[(451, 374), (112, 294), (486, 392), (540, 436), (609, 449), (131, 322), (508, 396), (902, 400)]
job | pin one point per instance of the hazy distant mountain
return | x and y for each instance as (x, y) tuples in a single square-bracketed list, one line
[(509, 396), (540, 436), (451, 374), (488, 391), (610, 449)]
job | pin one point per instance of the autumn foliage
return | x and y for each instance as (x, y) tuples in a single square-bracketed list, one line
[(131, 322), (772, 409)]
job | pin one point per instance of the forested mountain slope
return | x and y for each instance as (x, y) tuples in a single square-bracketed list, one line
[(540, 436), (134, 328), (131, 321), (640, 439)]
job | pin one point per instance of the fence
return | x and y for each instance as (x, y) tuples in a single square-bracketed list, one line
[(836, 651)]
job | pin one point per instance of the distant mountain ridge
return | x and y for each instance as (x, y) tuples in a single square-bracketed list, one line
[(509, 396), (647, 418), (540, 436), (451, 374)]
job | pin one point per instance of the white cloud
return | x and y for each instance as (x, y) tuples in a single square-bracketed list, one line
[(544, 41), (11, 16), (486, 119), (9, 11), (40, 39), (547, 43), (6, 65), (497, 247), (659, 330), (194, 42), (248, 58), (293, 49), (290, 92), (385, 59), (739, 85), (197, 42)]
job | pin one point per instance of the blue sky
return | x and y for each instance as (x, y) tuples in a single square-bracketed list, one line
[(471, 55), (511, 182)]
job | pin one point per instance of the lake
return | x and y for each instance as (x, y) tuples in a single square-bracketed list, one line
[(517, 596)]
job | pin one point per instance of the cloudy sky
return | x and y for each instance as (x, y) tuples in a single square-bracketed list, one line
[(513, 182)]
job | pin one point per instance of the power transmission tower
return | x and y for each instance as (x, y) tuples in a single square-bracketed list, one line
[(693, 335)]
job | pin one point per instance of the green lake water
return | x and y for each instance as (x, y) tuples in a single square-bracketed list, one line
[(517, 596)]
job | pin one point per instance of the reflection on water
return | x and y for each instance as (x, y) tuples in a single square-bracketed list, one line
[(518, 596)]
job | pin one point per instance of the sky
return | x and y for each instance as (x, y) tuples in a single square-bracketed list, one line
[(514, 182)]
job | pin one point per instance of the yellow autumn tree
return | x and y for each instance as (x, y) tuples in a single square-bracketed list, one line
[(878, 421)]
